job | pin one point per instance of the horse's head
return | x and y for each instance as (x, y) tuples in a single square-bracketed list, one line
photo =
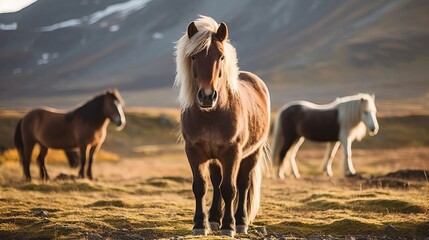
[(207, 66), (113, 108), (368, 114)]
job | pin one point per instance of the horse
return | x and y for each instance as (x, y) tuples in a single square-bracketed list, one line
[(82, 129), (225, 116), (337, 123)]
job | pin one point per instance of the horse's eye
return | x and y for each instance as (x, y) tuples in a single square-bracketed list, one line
[(222, 57), (193, 57)]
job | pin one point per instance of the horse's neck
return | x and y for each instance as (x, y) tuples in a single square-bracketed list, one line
[(350, 122), (93, 115), (226, 98)]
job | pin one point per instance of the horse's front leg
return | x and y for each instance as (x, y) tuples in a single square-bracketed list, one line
[(349, 170), (198, 161), (293, 154), (216, 208), (84, 153), (243, 184), (331, 150), (230, 162), (92, 152)]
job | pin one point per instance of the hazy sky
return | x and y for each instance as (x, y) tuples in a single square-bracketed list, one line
[(14, 5)]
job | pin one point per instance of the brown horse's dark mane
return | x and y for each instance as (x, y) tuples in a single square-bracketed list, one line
[(90, 112)]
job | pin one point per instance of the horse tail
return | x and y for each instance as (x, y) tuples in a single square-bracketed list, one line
[(277, 140), (254, 196), (18, 141)]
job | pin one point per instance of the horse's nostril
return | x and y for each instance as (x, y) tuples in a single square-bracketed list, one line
[(200, 95), (214, 96)]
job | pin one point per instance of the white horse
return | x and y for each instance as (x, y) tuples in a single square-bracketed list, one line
[(338, 123)]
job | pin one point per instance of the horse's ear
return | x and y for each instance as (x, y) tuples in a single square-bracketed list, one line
[(373, 96), (222, 32), (192, 29)]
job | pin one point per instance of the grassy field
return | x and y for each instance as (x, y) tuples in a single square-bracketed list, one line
[(143, 189)]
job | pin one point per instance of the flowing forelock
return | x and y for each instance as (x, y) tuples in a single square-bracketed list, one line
[(201, 41)]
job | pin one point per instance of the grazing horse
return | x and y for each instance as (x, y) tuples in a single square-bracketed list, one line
[(83, 128), (225, 117), (340, 122)]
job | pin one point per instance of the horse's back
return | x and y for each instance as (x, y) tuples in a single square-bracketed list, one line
[(255, 99), (36, 116), (254, 94), (253, 81), (45, 126), (301, 118)]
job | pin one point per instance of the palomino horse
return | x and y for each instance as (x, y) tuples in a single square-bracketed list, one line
[(340, 122), (83, 128), (225, 123)]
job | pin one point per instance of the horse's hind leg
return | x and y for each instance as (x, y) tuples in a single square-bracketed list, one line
[(41, 161), (26, 161), (295, 149), (284, 166), (83, 156), (331, 150), (216, 207)]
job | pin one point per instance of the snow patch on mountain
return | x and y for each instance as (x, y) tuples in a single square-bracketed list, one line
[(121, 10), (8, 27)]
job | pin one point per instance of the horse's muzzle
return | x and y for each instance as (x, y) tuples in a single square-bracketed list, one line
[(120, 124), (207, 100), (373, 131)]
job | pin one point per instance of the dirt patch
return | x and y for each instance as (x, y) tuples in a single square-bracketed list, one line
[(399, 179), (65, 177), (420, 175)]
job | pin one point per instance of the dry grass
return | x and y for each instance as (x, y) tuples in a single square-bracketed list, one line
[(147, 198), (146, 193)]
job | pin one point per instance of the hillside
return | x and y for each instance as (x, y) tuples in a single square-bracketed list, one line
[(62, 52)]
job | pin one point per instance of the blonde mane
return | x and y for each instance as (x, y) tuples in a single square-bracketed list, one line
[(186, 47), (349, 114)]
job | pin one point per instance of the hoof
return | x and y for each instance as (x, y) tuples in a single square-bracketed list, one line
[(226, 232), (214, 226), (200, 231), (329, 173), (242, 229)]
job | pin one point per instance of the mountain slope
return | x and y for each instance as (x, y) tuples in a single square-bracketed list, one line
[(316, 50)]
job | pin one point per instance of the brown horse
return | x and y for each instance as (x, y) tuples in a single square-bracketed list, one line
[(83, 128), (225, 122)]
